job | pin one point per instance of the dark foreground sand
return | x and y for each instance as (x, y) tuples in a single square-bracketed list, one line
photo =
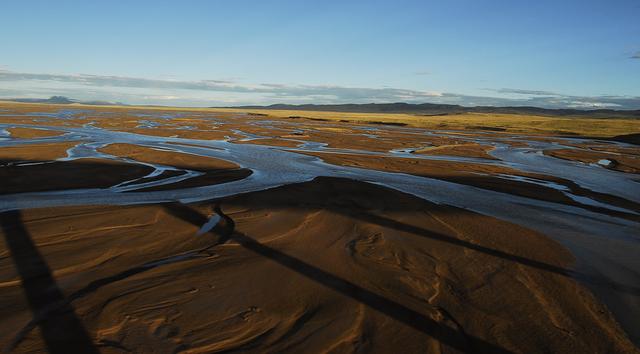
[(325, 266)]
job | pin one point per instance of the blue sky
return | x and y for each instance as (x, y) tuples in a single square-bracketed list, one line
[(549, 53)]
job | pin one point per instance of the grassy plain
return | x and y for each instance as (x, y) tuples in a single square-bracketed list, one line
[(512, 123)]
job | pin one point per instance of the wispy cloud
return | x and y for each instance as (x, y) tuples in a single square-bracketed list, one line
[(540, 98), (524, 92), (276, 91), (635, 56), (422, 73), (227, 92)]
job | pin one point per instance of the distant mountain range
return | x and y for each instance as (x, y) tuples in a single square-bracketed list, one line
[(425, 109), (432, 109), (64, 100)]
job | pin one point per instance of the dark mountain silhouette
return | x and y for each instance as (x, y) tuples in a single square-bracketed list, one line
[(429, 109), (52, 99), (64, 100)]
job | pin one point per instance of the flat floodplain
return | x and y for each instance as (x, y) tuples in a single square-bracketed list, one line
[(152, 229)]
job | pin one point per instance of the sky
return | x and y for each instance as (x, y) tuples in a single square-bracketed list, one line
[(576, 54)]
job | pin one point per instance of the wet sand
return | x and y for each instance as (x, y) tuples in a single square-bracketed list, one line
[(623, 162), (213, 171), (28, 133), (34, 168), (113, 257), (466, 150)]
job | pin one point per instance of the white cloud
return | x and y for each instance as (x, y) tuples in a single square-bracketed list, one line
[(524, 92), (225, 92)]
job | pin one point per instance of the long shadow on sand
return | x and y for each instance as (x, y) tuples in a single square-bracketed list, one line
[(360, 212), (61, 329), (226, 230)]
